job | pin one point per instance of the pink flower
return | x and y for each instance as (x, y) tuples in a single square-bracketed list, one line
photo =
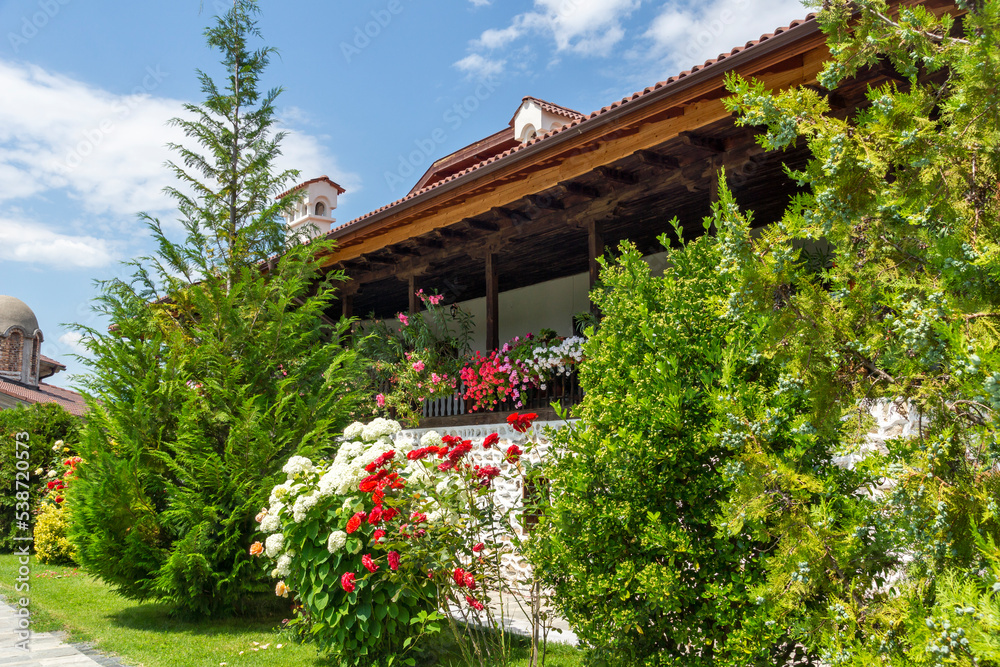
[(435, 299), (380, 400), (393, 558), (403, 319), (347, 581), (419, 366)]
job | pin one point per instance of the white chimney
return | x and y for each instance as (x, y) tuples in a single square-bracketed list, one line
[(313, 213)]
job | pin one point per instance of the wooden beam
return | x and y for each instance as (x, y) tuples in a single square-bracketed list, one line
[(510, 216), (595, 243), (618, 175), (581, 189), (482, 225), (696, 140), (546, 202), (414, 300), (659, 160), (492, 301), (347, 305)]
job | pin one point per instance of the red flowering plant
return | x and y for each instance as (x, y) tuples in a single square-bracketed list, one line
[(415, 356), (391, 531), (501, 375), (473, 540)]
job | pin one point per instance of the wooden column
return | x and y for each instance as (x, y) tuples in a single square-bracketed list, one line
[(595, 234), (414, 301), (492, 301), (347, 305)]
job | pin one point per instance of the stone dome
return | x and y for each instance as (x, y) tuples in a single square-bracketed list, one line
[(14, 312)]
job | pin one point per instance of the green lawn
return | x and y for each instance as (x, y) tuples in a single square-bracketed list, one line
[(145, 635)]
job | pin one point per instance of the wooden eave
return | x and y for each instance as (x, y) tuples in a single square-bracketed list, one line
[(688, 104)]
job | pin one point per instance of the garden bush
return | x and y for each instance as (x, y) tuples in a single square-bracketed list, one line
[(391, 541), (48, 426), (52, 546), (219, 364)]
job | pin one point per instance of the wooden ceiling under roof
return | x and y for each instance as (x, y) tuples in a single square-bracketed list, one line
[(535, 212)]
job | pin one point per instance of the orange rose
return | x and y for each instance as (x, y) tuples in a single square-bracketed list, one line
[(281, 590), (260, 515), (256, 549)]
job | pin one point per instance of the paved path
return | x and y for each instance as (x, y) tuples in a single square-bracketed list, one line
[(45, 649)]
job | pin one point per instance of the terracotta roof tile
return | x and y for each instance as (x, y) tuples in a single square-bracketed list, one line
[(50, 360), (542, 136), (71, 401), (340, 190)]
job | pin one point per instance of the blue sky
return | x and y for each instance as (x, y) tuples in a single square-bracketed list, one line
[(87, 86)]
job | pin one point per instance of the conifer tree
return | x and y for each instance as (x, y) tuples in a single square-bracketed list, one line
[(219, 365)]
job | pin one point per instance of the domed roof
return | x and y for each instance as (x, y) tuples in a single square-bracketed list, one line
[(14, 312)]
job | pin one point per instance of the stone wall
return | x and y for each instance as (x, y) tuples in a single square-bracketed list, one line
[(11, 355)]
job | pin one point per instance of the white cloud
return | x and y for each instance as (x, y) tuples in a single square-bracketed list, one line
[(476, 66), (584, 27), (73, 341), (63, 139), (480, 3), (34, 243), (680, 37)]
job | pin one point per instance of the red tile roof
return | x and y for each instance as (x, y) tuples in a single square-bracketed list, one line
[(71, 401), (711, 64), (340, 190), (468, 156), (53, 362), (550, 107)]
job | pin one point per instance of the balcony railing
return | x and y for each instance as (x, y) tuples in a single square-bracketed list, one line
[(564, 390)]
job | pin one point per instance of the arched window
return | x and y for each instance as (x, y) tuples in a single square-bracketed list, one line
[(320, 209), (528, 133)]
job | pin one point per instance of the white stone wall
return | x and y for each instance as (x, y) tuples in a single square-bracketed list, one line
[(508, 491)]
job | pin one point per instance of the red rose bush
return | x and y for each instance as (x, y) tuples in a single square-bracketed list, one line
[(392, 536)]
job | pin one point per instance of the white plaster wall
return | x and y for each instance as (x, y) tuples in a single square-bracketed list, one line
[(548, 305)]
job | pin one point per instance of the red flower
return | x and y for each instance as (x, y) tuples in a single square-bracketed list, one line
[(491, 439), (389, 513), (378, 496), (460, 450), (446, 465), (418, 517), (378, 535), (474, 603), (59, 499), (479, 547), (459, 576), (375, 516), (521, 423), (486, 475), (353, 524), (369, 564), (514, 453), (347, 581), (430, 574), (393, 558), (370, 468), (50, 485), (470, 581)]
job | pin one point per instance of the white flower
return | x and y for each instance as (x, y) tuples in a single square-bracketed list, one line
[(431, 438), (275, 508), (298, 464), (273, 544), (270, 524), (302, 506), (284, 565), (380, 428), (336, 541), (39, 472), (277, 493), (51, 473), (354, 431)]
